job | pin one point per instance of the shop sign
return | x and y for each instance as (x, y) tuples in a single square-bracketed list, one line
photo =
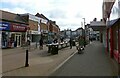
[(44, 21), (34, 32), (4, 26), (18, 28)]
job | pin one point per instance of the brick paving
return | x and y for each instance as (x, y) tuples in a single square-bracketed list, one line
[(41, 63)]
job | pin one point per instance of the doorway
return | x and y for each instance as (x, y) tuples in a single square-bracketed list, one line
[(18, 40)]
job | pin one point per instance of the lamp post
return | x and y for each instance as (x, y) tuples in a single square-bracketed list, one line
[(26, 60), (84, 22), (84, 31)]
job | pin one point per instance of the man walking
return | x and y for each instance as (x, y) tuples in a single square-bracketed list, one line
[(70, 43), (41, 43)]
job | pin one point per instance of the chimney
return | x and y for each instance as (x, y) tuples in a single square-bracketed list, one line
[(95, 19)]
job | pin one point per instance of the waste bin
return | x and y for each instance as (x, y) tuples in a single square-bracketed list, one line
[(54, 49)]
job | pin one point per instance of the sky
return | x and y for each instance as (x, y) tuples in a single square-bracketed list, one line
[(68, 14)]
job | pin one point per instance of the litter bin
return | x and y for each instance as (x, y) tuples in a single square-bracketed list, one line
[(54, 49)]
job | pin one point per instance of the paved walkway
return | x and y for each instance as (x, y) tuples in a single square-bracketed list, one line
[(93, 62), (41, 63)]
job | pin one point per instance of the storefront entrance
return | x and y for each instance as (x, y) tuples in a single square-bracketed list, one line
[(18, 40)]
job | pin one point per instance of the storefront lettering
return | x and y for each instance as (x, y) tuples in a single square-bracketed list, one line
[(4, 26), (18, 28), (34, 32)]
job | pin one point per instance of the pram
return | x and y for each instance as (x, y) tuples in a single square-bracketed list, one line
[(79, 48)]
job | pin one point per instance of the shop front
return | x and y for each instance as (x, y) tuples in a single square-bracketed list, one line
[(17, 34), (114, 39), (5, 28), (35, 36)]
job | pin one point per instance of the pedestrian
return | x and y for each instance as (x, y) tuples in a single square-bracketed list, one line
[(70, 41), (81, 41), (28, 43), (41, 43), (55, 40), (61, 39), (15, 43)]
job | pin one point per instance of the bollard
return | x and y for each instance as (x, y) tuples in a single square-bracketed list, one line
[(26, 61)]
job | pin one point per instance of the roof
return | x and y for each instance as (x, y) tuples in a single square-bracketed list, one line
[(79, 29), (41, 16), (112, 22), (97, 25), (12, 17)]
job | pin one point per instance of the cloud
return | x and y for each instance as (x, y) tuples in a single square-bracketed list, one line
[(56, 13), (67, 13), (16, 10)]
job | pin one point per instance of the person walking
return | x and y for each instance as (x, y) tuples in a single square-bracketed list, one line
[(70, 43), (81, 41), (28, 43), (55, 40), (41, 43)]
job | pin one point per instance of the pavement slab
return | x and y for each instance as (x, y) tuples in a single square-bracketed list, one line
[(41, 63), (93, 62)]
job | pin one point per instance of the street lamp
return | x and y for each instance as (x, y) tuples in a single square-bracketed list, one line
[(84, 31), (26, 60), (84, 22)]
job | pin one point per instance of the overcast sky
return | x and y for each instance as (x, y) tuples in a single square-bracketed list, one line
[(66, 13)]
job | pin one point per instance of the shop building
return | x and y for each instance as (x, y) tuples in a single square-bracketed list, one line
[(49, 29), (34, 27), (113, 31), (55, 29), (111, 11), (34, 24), (113, 39), (13, 28), (44, 28)]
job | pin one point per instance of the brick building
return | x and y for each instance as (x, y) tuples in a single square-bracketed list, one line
[(34, 27), (13, 28)]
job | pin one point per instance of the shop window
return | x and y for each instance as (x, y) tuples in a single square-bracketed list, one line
[(4, 39)]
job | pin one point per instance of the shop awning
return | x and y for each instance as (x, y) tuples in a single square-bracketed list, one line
[(112, 22)]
